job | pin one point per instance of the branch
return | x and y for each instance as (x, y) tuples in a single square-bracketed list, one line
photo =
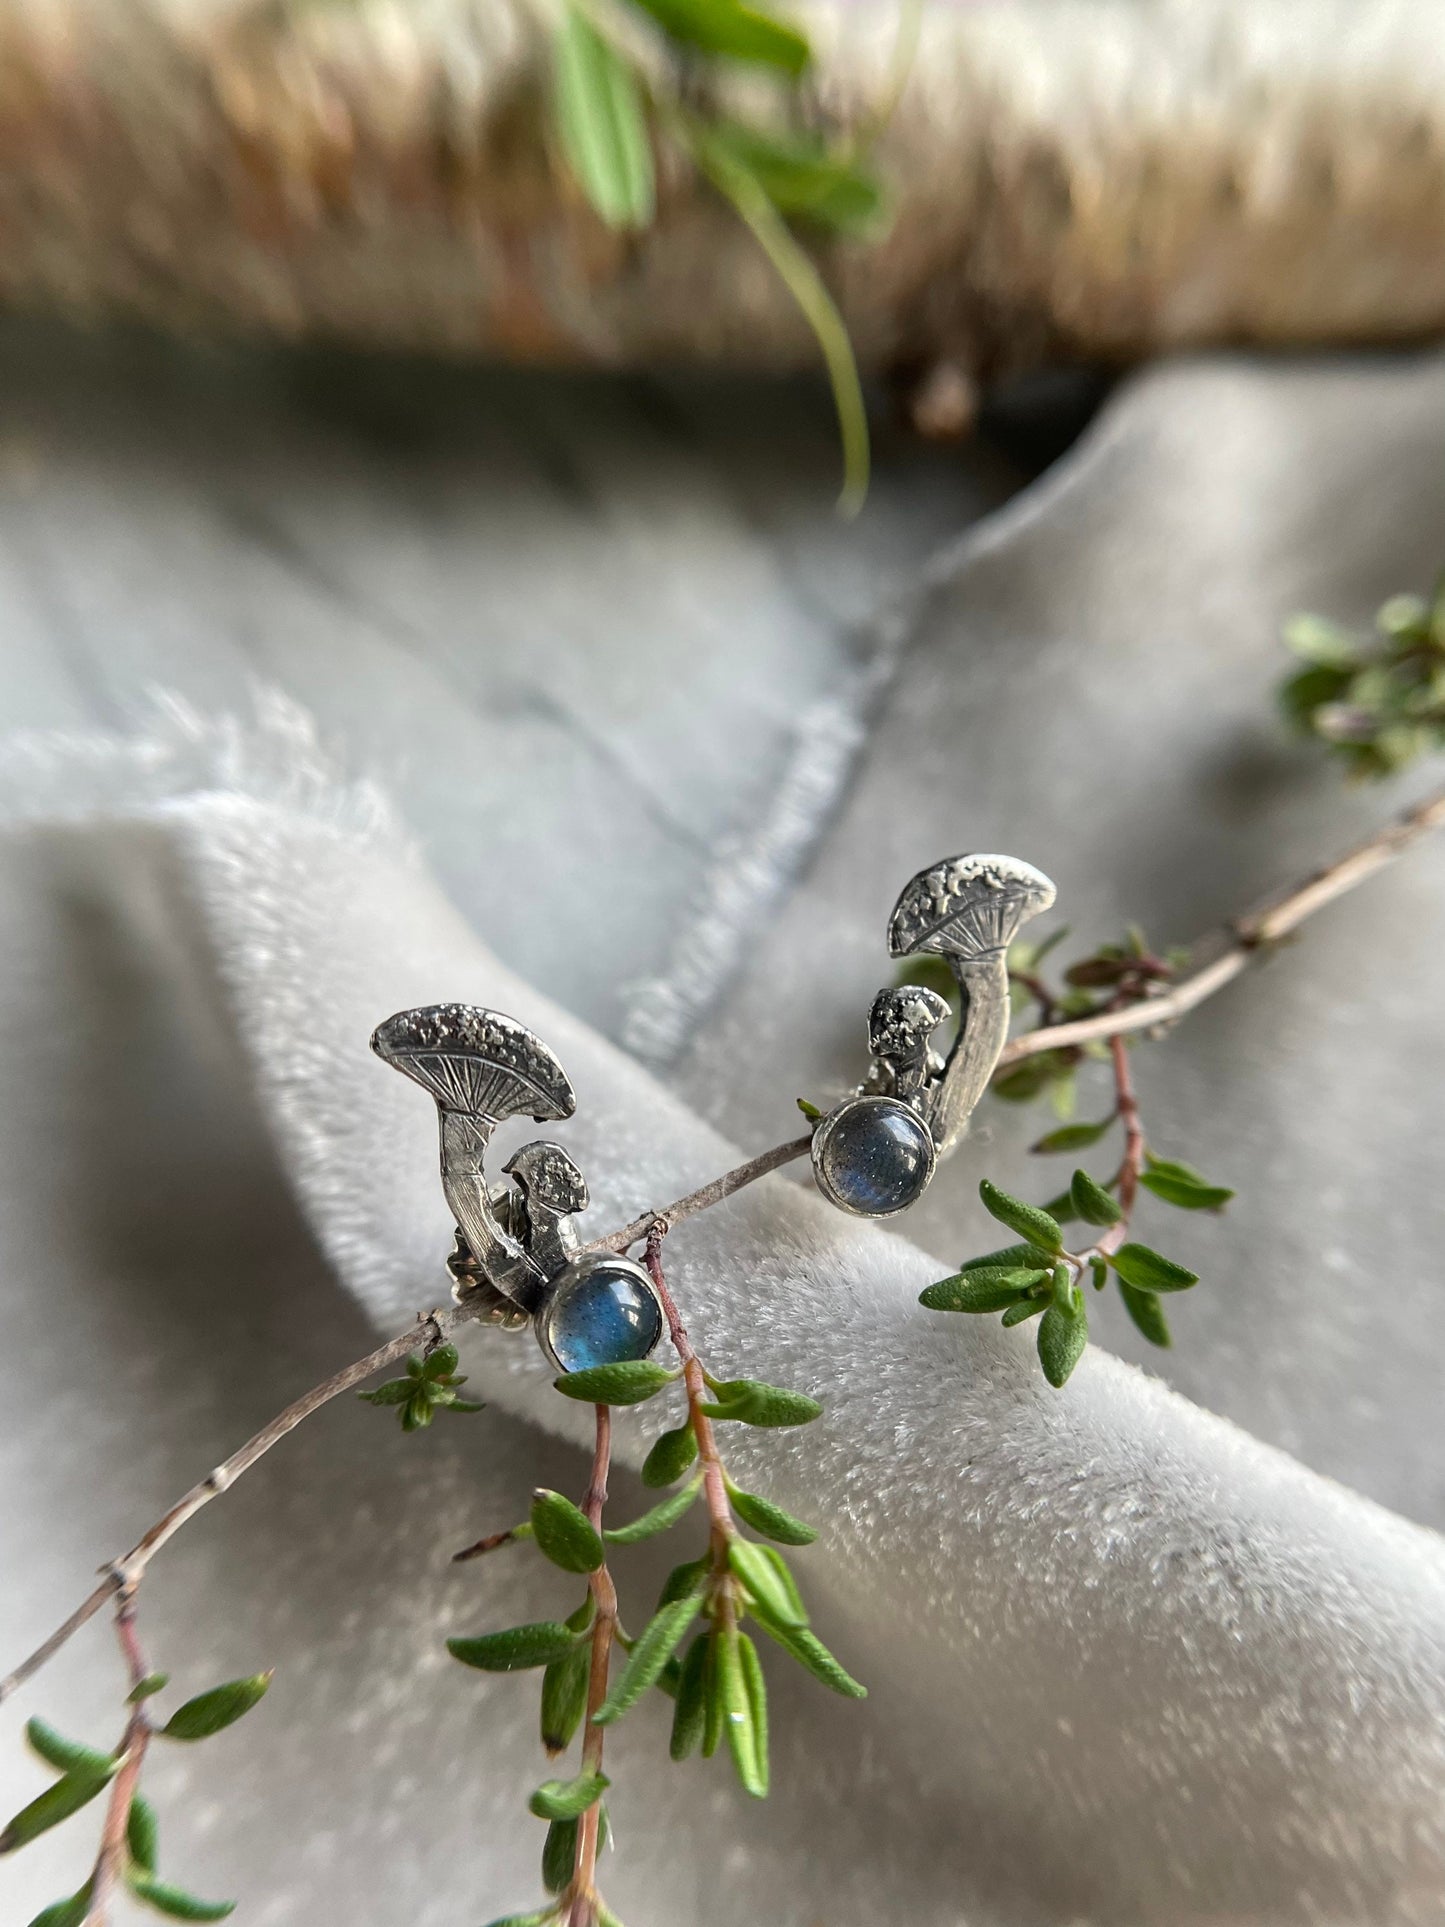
[(582, 1908), (111, 1858), (1243, 940), (715, 1487), (123, 1574)]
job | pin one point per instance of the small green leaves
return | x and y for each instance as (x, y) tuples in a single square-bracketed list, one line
[(516, 1649), (559, 1855), (741, 1693), (670, 1456), (564, 1698), (1025, 1308), (543, 1917), (211, 1712), (1147, 1313), (1031, 1224), (1063, 1337), (147, 1688), (805, 180), (736, 32), (689, 1714), (984, 1289), (564, 1534), (66, 1756), (599, 113), (68, 1795), (1073, 1137), (810, 1111), (1379, 702), (174, 1902), (1181, 1185), (142, 1834), (627, 1383), (568, 1799), (659, 1519), (659, 1640), (752, 1402), (66, 1913), (766, 1577), (429, 1387), (771, 1520), (682, 1580), (1092, 1202), (804, 1646), (1146, 1270)]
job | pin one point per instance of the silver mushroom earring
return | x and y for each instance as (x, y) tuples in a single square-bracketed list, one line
[(874, 1154), (518, 1242)]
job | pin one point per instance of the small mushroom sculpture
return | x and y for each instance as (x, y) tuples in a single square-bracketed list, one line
[(875, 1153), (586, 1308)]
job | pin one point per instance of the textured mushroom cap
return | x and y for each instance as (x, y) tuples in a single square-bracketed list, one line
[(967, 906), (549, 1178), (903, 1018), (477, 1062)]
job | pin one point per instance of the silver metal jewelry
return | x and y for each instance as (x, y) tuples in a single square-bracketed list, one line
[(875, 1153), (517, 1244)]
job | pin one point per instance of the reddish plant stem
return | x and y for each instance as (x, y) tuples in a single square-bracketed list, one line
[(715, 1487), (114, 1850), (582, 1905), (1132, 1163)]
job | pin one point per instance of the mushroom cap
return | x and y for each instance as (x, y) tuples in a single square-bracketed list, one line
[(549, 1178), (903, 1018), (967, 906), (477, 1062)]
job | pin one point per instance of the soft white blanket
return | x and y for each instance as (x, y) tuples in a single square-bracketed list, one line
[(1126, 1664)]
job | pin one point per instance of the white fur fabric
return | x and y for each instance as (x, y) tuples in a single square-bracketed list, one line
[(1126, 1664)]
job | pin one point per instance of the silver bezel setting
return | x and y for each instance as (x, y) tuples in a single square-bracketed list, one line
[(823, 1136), (580, 1268)]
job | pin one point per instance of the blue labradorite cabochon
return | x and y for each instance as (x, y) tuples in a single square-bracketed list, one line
[(873, 1156), (601, 1311)]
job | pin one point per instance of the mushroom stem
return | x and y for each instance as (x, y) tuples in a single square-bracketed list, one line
[(982, 1034), (464, 1184)]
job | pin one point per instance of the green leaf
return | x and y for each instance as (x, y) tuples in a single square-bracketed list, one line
[(1147, 1313), (142, 1833), (559, 1855), (689, 1714), (543, 1917), (66, 1756), (1181, 1185), (737, 1714), (441, 1363), (765, 1517), (1317, 641), (810, 1111), (568, 1799), (564, 1533), (714, 1714), (757, 1696), (66, 1913), (1073, 1137), (628, 1383), (516, 1649), (211, 1712), (564, 1698), (174, 1902), (752, 1402), (57, 1803), (600, 118), (802, 178), (1092, 1201), (757, 1572), (1011, 1258), (396, 1391), (1034, 1226), (730, 29), (1026, 1308), (984, 1289), (798, 273), (661, 1516), (1063, 1338), (804, 1646), (147, 1688), (1145, 1270), (682, 1580), (659, 1640), (670, 1456)]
